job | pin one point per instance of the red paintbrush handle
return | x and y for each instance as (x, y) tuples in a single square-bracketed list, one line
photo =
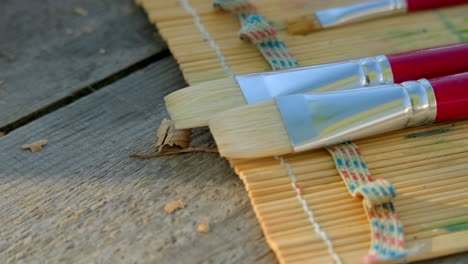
[(451, 94), (416, 5), (429, 63)]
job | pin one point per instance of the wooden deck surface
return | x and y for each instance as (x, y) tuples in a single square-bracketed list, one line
[(92, 85)]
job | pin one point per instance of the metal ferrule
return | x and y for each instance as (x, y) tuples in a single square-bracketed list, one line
[(318, 120), (358, 12), (259, 87)]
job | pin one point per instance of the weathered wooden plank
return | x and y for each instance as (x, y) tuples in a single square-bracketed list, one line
[(82, 200), (59, 49)]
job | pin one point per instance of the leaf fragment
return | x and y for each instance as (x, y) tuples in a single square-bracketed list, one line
[(35, 146)]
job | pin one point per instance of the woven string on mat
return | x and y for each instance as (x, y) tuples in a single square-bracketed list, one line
[(258, 30), (387, 237)]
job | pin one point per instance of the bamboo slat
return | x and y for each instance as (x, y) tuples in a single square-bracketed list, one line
[(427, 165)]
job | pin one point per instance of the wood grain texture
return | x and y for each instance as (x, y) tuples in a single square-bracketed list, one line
[(82, 200), (57, 51)]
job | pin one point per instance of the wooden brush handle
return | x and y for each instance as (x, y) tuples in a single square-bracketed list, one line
[(429, 63), (451, 94), (417, 5)]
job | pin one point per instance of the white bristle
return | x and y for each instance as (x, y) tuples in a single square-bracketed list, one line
[(303, 24), (194, 106), (251, 131)]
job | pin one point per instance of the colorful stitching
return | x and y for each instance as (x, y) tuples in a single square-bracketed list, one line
[(387, 237), (258, 30)]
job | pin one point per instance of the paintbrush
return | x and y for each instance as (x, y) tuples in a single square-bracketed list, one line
[(194, 106), (302, 122), (363, 11)]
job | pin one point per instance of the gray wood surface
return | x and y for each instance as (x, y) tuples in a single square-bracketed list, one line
[(57, 51), (82, 200)]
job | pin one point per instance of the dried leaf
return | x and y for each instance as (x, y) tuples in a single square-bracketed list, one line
[(170, 137), (35, 146), (173, 206), (80, 11), (203, 227), (174, 152), (2, 134)]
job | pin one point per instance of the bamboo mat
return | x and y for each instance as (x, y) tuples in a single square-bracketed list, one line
[(426, 165)]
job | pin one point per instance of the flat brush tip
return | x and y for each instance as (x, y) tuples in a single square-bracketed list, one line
[(194, 106), (303, 24), (251, 131)]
